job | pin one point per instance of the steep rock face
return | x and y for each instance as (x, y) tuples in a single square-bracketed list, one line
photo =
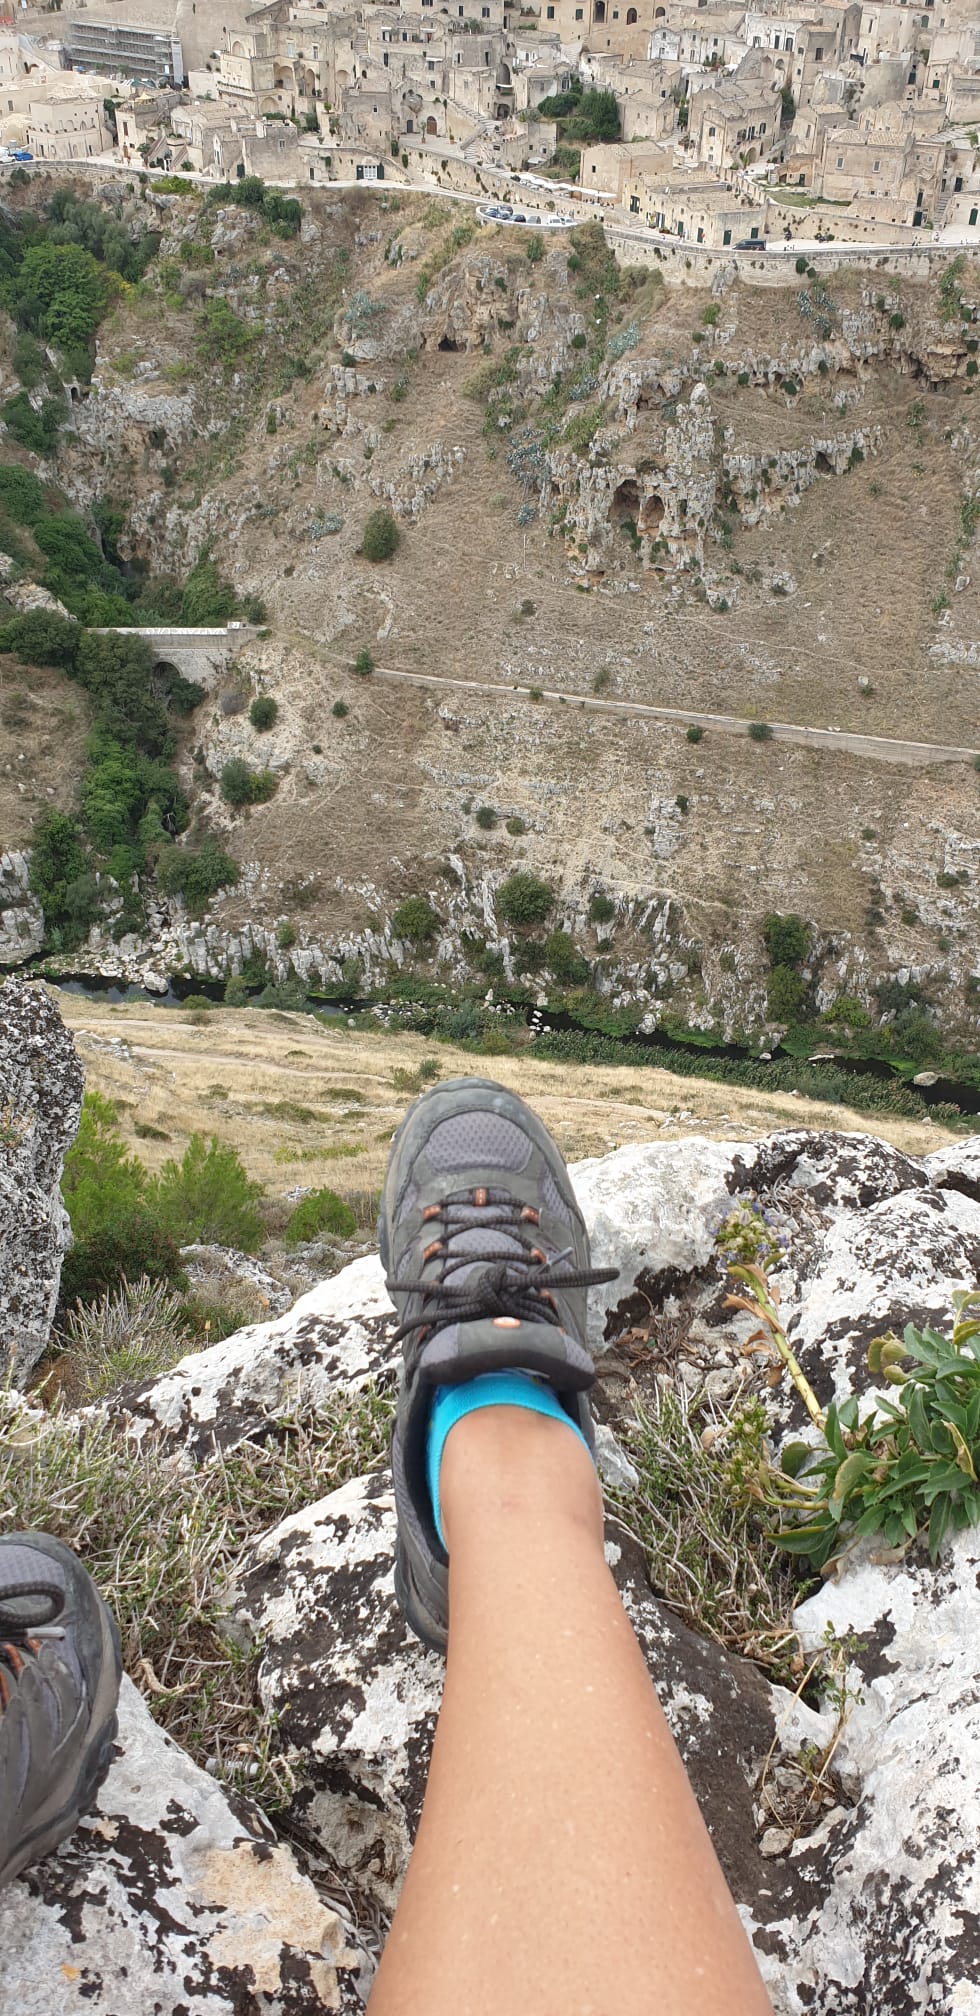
[(21, 917), (170, 1893), (41, 1095)]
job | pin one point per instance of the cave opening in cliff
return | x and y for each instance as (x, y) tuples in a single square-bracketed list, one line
[(625, 503)]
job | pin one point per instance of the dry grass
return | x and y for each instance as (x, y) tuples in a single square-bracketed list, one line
[(246, 1076), (161, 1542)]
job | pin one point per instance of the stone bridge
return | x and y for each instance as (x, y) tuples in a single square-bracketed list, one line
[(199, 654)]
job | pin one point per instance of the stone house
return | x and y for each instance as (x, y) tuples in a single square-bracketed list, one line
[(734, 122), (67, 127)]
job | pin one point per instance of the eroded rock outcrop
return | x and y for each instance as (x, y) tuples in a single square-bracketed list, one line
[(170, 1895), (868, 1899), (40, 1101)]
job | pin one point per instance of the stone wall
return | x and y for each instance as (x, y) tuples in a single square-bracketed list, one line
[(40, 1102)]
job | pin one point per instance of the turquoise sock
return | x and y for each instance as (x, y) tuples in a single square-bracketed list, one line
[(488, 1389)]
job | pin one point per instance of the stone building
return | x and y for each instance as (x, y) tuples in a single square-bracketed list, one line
[(67, 127)]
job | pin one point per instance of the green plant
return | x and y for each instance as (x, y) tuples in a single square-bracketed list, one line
[(208, 1198), (380, 538), (523, 899), (563, 958), (195, 873), (534, 249), (694, 733), (601, 908), (416, 920), (787, 939), (320, 1215), (286, 936), (515, 825), (709, 1554), (240, 785), (905, 1468), (760, 731), (486, 817), (340, 708), (363, 664), (132, 1332), (263, 713), (162, 1539)]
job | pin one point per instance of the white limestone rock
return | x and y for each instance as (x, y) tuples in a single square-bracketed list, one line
[(898, 1929), (652, 1211), (40, 1102), (336, 1336), (171, 1895)]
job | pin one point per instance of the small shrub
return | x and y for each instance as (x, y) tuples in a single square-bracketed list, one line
[(237, 991), (760, 731), (787, 939), (285, 937), (523, 899), (380, 538), (208, 1198), (486, 817), (601, 908), (896, 321), (416, 920), (241, 785), (534, 249), (263, 713), (340, 709), (320, 1215), (135, 1331), (515, 825), (694, 733), (801, 264), (363, 664), (682, 801)]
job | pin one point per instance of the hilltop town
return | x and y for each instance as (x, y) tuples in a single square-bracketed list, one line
[(721, 125)]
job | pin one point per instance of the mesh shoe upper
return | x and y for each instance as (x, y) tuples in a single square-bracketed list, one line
[(487, 1260), (59, 1683)]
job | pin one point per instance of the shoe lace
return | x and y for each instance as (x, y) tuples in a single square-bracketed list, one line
[(506, 1283)]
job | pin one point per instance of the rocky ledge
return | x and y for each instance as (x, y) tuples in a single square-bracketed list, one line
[(171, 1895)]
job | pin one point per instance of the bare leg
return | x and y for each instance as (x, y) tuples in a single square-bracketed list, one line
[(562, 1867)]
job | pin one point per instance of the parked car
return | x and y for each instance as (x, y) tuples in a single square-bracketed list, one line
[(21, 154), (750, 245)]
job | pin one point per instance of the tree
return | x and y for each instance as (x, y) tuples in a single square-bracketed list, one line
[(787, 939), (207, 599), (118, 673), (60, 292), (263, 713), (208, 1198), (524, 899), (41, 638), (57, 861), (380, 538), (242, 786), (101, 1184)]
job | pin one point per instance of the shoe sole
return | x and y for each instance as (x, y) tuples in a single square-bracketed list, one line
[(97, 1757)]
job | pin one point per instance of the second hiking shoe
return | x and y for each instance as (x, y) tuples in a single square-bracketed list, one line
[(487, 1262), (59, 1685)]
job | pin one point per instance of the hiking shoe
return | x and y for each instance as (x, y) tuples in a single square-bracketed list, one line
[(486, 1258), (59, 1685)]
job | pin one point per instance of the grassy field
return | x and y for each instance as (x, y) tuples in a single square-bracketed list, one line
[(307, 1103)]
